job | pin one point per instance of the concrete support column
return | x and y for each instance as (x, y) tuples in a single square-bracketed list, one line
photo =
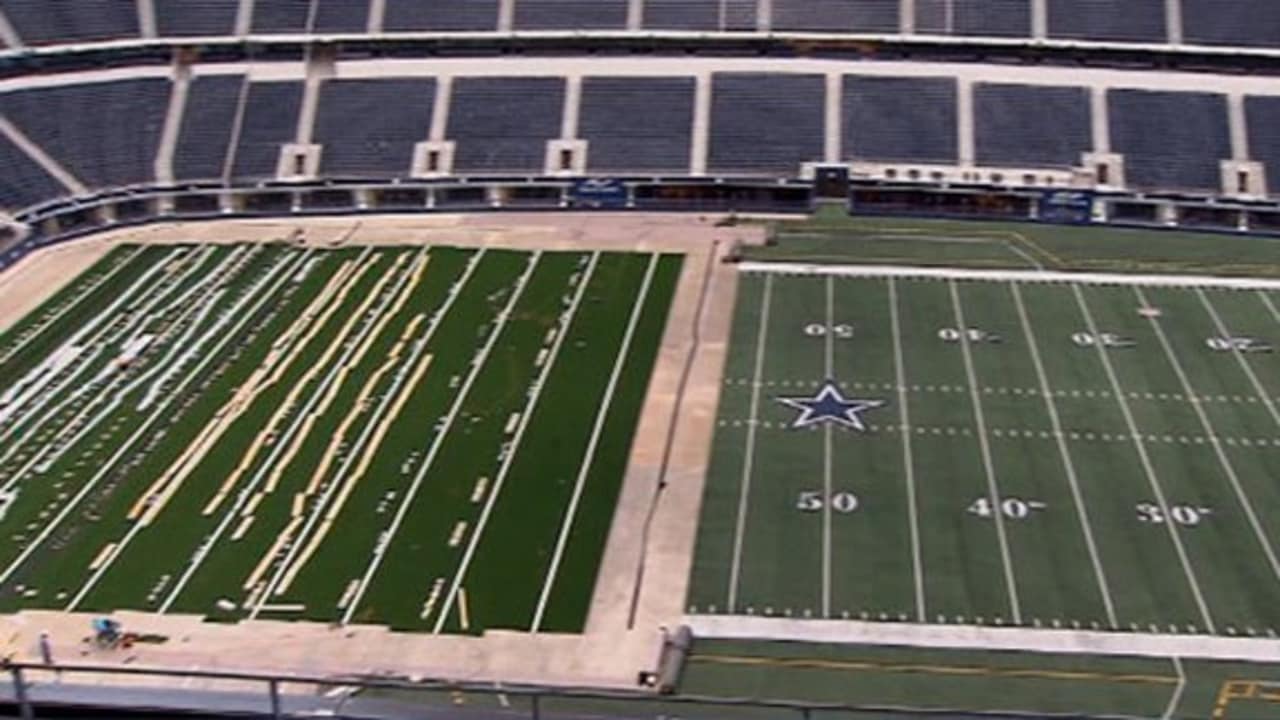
[(506, 15), (377, 16), (1173, 21), (1101, 116), (146, 18), (701, 135), (8, 34), (244, 18), (1039, 19), (572, 106), (163, 169), (635, 14), (440, 111), (834, 130), (764, 15), (965, 152), (1239, 126), (907, 17)]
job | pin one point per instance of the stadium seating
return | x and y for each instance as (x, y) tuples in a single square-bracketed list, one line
[(1170, 140), (832, 16), (1118, 21), (106, 134), (178, 18), (571, 14), (270, 120), (341, 16), (368, 127), (502, 124), (993, 18), (207, 122), (890, 119), (637, 124), (280, 16), (739, 15), (1231, 22), (1031, 126), (41, 22), (440, 15), (765, 122), (23, 182), (1263, 116)]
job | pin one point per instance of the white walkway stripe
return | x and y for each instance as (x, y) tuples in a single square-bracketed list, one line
[(908, 460), (1082, 510), (1154, 481), (566, 319), (477, 362), (1214, 441), (749, 455), (993, 486), (589, 455)]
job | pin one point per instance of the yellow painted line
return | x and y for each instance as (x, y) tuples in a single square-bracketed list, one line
[(945, 670)]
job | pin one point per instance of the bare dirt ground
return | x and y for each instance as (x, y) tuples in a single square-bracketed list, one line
[(644, 574)]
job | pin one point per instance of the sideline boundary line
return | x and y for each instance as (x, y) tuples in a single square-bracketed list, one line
[(1047, 276)]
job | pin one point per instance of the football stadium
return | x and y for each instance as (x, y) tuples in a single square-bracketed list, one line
[(625, 359)]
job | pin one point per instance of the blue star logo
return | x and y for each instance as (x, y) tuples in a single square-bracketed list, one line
[(829, 405)]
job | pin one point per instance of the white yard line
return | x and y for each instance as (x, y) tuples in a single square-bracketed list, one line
[(285, 439), (1046, 276), (1271, 308), (993, 486), (908, 460), (589, 454), (68, 307), (1082, 511), (566, 320), (160, 411), (477, 363), (1214, 441), (354, 454), (829, 375), (1174, 700), (1024, 255), (749, 455), (1263, 395), (1118, 392)]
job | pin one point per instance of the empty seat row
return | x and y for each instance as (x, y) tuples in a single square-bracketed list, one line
[(1213, 22), (234, 129)]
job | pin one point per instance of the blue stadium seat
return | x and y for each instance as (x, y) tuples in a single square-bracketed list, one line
[(1231, 22), (868, 16), (992, 18), (342, 16), (1170, 140), (1031, 125), (502, 124), (280, 16), (1262, 113), (700, 15), (441, 15), (765, 122), (207, 122), (270, 120), (368, 127), (105, 133), (23, 183), (41, 22), (637, 124), (571, 14), (890, 119), (180, 18), (1108, 20)]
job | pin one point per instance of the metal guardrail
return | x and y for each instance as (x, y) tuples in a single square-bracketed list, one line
[(537, 702)]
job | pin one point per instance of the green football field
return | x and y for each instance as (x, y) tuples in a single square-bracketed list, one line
[(427, 438), (1032, 454)]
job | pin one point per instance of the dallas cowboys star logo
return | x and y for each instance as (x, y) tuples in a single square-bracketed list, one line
[(830, 405)]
